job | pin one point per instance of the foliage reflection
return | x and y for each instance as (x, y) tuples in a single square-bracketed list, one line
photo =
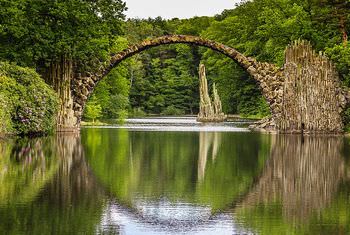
[(304, 189), (46, 188), (212, 169), (261, 183)]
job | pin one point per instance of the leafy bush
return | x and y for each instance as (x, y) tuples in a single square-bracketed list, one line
[(340, 55), (118, 103), (255, 107), (122, 115), (137, 112), (93, 110), (31, 103), (5, 117), (173, 111)]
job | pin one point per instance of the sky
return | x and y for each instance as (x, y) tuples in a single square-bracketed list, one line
[(176, 8)]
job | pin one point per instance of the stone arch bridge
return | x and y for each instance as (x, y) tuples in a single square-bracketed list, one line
[(305, 95)]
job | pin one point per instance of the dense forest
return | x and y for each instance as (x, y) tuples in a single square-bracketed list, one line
[(61, 39)]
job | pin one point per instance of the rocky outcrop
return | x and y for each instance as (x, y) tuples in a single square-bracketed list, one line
[(305, 95), (217, 103), (266, 124), (208, 111), (313, 99)]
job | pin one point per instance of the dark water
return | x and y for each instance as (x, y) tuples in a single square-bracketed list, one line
[(194, 179)]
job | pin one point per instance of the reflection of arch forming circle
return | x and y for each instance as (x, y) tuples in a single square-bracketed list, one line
[(197, 217), (118, 215)]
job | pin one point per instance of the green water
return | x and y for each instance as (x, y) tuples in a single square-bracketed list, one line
[(127, 181)]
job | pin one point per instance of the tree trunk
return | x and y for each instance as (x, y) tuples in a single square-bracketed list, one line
[(59, 76), (343, 30)]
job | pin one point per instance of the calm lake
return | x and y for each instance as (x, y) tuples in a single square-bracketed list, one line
[(174, 176)]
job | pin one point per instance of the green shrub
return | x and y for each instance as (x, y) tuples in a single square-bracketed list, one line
[(118, 103), (137, 112), (254, 108), (32, 104), (340, 55), (173, 111), (122, 116), (5, 117), (93, 110)]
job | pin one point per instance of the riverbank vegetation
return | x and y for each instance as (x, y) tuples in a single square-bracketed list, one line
[(59, 39), (27, 104), (65, 39)]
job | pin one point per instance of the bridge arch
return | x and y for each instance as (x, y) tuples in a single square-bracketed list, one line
[(243, 61), (304, 96), (84, 86)]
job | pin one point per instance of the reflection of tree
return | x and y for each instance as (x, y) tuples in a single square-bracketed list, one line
[(26, 166), (73, 180), (302, 176), (73, 197), (155, 165), (70, 201), (207, 140)]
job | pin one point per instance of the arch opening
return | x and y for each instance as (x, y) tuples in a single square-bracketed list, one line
[(255, 69)]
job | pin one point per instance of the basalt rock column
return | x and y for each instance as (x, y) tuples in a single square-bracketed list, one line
[(305, 95), (312, 96), (207, 111), (217, 105), (60, 75)]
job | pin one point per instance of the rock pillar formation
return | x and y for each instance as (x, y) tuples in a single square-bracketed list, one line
[(208, 111), (60, 75), (205, 107), (305, 95), (312, 96), (217, 104)]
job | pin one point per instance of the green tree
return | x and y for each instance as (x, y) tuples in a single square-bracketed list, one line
[(60, 38), (93, 110)]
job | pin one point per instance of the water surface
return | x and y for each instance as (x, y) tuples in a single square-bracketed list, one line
[(174, 176)]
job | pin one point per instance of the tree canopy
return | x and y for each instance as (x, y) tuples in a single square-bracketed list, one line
[(37, 32)]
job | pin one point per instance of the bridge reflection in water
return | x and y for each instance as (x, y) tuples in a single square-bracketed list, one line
[(116, 181), (305, 184)]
